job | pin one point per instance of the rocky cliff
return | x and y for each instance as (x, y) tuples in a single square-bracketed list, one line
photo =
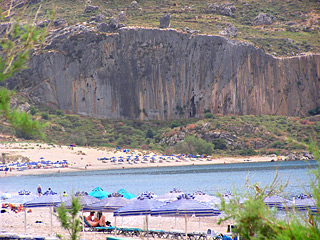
[(154, 74)]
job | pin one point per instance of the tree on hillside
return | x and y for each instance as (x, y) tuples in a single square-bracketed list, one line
[(17, 41)]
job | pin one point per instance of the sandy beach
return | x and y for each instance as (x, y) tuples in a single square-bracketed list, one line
[(39, 224), (86, 158)]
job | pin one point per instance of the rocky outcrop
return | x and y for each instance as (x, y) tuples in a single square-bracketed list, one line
[(156, 74)]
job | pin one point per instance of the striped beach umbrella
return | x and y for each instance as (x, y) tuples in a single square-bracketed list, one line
[(185, 206)]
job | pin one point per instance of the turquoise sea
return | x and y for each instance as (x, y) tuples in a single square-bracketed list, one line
[(207, 178)]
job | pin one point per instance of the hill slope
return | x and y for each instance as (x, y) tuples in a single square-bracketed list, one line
[(287, 27)]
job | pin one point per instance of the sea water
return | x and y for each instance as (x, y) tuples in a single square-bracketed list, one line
[(210, 179)]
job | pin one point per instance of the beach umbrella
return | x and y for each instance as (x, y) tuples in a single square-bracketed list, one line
[(302, 202), (205, 198), (48, 199), (170, 196), (126, 194), (275, 201), (141, 206), (185, 206), (22, 197), (84, 198), (113, 202), (99, 193)]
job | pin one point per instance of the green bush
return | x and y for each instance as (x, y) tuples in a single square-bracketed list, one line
[(59, 113), (247, 152), (219, 144), (33, 110), (195, 146), (208, 115), (45, 116), (315, 111), (175, 123)]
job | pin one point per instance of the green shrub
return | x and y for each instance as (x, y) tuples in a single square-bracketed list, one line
[(219, 144), (33, 110), (175, 123), (45, 116), (149, 134), (195, 146), (208, 115), (315, 111), (247, 152), (59, 113)]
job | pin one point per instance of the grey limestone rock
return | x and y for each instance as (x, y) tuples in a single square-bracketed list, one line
[(223, 9), (99, 18), (165, 21), (59, 22), (90, 8), (229, 31), (262, 19), (156, 74)]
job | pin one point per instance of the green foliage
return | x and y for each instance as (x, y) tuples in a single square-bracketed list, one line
[(175, 123), (195, 146), (69, 218), (33, 110), (16, 45), (149, 134), (45, 116), (315, 111), (208, 115), (247, 152), (219, 144)]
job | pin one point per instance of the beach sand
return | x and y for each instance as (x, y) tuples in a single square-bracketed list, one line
[(83, 158), (12, 222)]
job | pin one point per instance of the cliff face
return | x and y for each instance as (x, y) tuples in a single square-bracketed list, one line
[(164, 74)]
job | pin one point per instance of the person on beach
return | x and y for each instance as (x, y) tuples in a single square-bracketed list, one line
[(39, 190), (95, 222), (65, 194)]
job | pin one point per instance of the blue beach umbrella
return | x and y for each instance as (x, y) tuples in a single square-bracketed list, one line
[(276, 201), (126, 194), (205, 198), (170, 196), (110, 204), (185, 206), (141, 206), (22, 197), (48, 199), (85, 200), (99, 193), (303, 202)]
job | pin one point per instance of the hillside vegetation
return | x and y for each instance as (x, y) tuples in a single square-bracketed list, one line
[(219, 135), (294, 26)]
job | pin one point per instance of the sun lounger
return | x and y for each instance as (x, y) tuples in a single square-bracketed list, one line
[(133, 232), (88, 227)]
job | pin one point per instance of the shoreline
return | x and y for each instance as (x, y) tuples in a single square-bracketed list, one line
[(86, 159)]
